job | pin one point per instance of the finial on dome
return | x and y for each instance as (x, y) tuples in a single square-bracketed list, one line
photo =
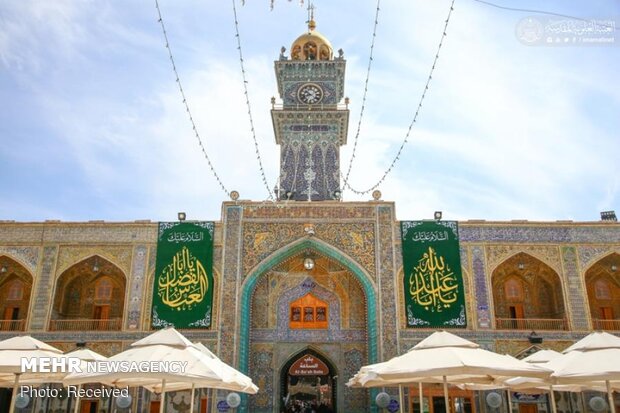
[(311, 45), (311, 22)]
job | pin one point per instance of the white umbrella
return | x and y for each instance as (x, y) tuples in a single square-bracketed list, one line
[(596, 357), (15, 349), (166, 345), (452, 358), (86, 355), (241, 383)]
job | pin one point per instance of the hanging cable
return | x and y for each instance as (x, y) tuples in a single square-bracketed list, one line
[(359, 123), (415, 116), (247, 102), (189, 113)]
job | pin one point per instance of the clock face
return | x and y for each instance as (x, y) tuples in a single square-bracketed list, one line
[(310, 94)]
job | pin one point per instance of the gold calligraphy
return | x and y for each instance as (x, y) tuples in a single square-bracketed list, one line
[(432, 284), (183, 283)]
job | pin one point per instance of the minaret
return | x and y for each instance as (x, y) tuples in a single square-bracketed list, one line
[(311, 124)]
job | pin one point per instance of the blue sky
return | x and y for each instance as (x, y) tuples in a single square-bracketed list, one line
[(92, 126)]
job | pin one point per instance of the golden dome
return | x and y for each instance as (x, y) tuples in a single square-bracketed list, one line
[(312, 46)]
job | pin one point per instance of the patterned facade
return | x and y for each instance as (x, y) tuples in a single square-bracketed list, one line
[(258, 269)]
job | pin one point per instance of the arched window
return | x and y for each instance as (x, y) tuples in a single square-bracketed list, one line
[(514, 290), (308, 312), (602, 290), (103, 289), (15, 291)]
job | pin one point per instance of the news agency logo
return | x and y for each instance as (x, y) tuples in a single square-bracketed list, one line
[(76, 365)]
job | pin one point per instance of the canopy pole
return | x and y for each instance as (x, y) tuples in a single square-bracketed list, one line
[(610, 396), (163, 396), (14, 396), (77, 399), (421, 397), (400, 396), (509, 400), (191, 408), (445, 393), (554, 408)]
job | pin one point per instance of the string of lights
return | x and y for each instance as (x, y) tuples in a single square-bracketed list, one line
[(359, 122), (415, 116), (247, 102), (189, 113)]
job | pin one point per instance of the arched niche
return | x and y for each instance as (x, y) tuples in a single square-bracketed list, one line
[(527, 295), (290, 260), (15, 292), (602, 281), (89, 295)]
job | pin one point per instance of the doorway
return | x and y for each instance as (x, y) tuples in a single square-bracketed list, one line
[(307, 381), (89, 406), (528, 408)]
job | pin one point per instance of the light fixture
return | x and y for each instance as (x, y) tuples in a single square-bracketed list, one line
[(96, 265), (308, 263), (438, 215), (521, 266), (289, 194), (337, 194), (534, 338), (614, 267), (181, 216), (3, 269), (609, 216)]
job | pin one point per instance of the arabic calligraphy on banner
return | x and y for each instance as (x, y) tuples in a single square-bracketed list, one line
[(183, 284), (308, 365), (433, 283)]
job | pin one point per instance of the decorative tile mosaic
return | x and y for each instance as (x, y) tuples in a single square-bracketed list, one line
[(136, 284), (577, 309), (228, 314), (480, 286), (588, 255), (262, 239), (355, 400), (529, 233), (27, 256), (262, 373), (43, 289), (550, 255), (385, 254), (71, 255)]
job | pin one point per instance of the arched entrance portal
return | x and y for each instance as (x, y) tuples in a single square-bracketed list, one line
[(288, 307), (307, 381)]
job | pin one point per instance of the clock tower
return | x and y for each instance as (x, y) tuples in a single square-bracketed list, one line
[(311, 124)]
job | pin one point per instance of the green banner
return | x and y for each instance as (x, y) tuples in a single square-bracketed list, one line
[(433, 283), (183, 282)]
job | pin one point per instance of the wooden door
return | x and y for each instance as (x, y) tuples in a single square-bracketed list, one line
[(88, 406), (607, 314), (154, 407), (528, 408), (102, 313), (204, 404), (517, 314)]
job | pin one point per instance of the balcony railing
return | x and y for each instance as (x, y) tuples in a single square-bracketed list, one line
[(599, 324), (531, 324), (82, 324), (12, 325)]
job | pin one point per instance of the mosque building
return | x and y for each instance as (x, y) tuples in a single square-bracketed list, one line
[(302, 292)]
